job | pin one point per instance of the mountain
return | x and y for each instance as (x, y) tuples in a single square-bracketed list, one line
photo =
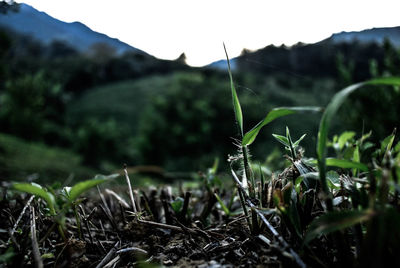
[(375, 35), (47, 29), (283, 58)]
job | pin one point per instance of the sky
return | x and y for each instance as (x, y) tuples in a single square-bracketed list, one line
[(167, 28)]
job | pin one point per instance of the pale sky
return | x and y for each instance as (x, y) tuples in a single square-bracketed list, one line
[(166, 28)]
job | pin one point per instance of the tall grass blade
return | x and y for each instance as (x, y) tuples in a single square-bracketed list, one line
[(250, 136), (235, 99), (327, 116), (343, 163)]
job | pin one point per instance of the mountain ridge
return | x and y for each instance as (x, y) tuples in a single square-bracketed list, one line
[(47, 29)]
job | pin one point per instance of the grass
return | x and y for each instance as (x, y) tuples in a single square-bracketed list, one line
[(342, 212), (20, 159)]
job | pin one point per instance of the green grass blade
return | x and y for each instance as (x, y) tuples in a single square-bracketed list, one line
[(335, 221), (281, 139), (331, 110), (236, 104), (343, 163), (296, 143), (250, 136), (83, 186), (38, 190), (221, 203)]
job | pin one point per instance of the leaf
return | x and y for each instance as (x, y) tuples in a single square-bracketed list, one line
[(250, 136), (37, 190), (331, 110), (296, 143), (236, 104), (333, 179), (387, 143), (224, 208), (335, 221), (343, 163), (344, 137), (177, 204), (356, 158), (83, 186), (281, 139)]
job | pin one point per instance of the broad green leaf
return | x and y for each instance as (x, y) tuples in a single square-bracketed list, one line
[(333, 179), (83, 186), (344, 137), (343, 163), (37, 190), (236, 104), (335, 221), (250, 136), (331, 110), (177, 204), (281, 139), (387, 143)]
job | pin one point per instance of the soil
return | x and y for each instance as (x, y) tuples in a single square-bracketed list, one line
[(112, 235)]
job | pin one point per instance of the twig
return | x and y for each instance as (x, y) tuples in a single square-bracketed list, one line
[(130, 249), (85, 220), (35, 245), (130, 189), (108, 257), (182, 229), (120, 199), (20, 217)]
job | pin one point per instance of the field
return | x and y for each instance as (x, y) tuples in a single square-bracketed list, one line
[(303, 216), (292, 159)]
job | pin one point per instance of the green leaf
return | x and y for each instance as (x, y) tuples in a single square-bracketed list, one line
[(37, 190), (343, 163), (236, 104), (250, 136), (83, 186), (344, 137), (281, 139), (224, 208), (387, 143), (331, 110), (177, 204), (335, 221), (333, 179), (356, 158), (296, 143)]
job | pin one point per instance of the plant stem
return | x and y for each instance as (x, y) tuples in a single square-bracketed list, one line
[(78, 222)]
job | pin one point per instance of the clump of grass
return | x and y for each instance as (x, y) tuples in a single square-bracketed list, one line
[(359, 197)]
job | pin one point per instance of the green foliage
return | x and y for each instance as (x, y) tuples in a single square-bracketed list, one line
[(38, 191), (327, 117), (235, 100), (287, 142), (20, 159), (250, 136), (177, 204), (75, 191), (335, 221)]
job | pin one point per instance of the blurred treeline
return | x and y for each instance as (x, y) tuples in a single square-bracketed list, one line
[(106, 109)]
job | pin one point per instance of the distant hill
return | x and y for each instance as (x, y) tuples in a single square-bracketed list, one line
[(299, 55), (374, 35), (47, 29)]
